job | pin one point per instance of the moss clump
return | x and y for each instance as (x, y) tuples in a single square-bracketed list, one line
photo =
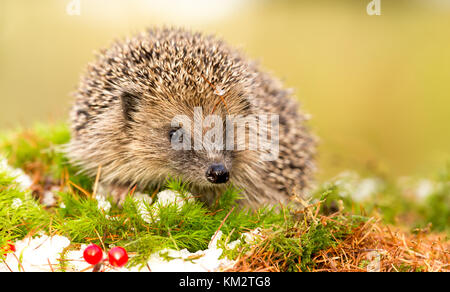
[(395, 203), (39, 151), (20, 214)]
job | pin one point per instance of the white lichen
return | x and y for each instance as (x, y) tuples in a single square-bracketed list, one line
[(16, 203), (43, 254), (40, 254), (102, 203), (142, 202), (23, 181)]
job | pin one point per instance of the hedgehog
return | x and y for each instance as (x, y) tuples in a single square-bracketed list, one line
[(125, 104)]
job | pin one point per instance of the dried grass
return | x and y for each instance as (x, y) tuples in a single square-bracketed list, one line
[(372, 246)]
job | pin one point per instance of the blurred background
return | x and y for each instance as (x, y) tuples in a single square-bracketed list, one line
[(377, 86)]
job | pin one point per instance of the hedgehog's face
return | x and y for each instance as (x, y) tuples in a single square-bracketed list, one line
[(203, 162), (185, 140)]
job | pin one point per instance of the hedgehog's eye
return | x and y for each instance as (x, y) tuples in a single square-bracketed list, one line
[(176, 134)]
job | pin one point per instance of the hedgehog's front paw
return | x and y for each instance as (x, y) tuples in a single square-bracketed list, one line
[(117, 192)]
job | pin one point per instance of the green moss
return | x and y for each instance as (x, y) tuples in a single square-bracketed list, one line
[(436, 209), (393, 204), (42, 148), (20, 214)]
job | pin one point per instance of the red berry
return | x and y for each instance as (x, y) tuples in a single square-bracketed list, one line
[(118, 256), (9, 247), (93, 254)]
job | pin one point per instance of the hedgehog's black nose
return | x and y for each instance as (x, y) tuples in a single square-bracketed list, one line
[(217, 174)]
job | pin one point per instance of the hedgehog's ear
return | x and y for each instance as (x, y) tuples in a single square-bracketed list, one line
[(129, 101)]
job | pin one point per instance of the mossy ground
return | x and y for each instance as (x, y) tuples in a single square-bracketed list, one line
[(331, 232)]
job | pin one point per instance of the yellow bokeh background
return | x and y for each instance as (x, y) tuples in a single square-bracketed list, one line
[(377, 87)]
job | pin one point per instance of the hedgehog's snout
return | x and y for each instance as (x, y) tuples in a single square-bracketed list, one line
[(217, 173)]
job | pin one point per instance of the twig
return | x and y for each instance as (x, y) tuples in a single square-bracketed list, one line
[(220, 95), (51, 268), (97, 178), (80, 189), (221, 224), (7, 265)]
